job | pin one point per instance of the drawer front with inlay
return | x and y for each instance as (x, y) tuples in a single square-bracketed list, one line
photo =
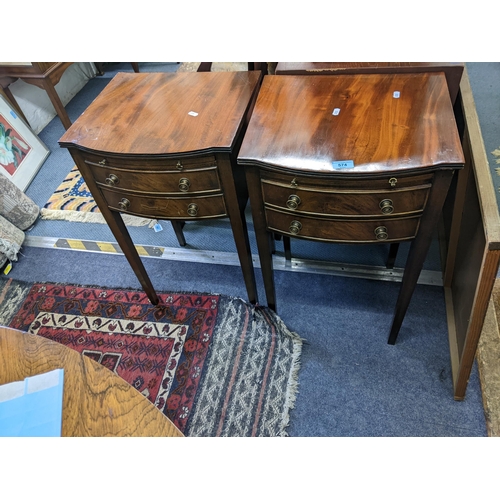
[(336, 184), (346, 203), (203, 180), (183, 208), (148, 163), (347, 231)]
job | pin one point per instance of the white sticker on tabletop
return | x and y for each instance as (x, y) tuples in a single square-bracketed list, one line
[(336, 112), (193, 113), (396, 94)]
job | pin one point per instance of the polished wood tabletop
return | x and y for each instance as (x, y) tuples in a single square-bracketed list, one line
[(96, 401), (295, 124), (165, 113)]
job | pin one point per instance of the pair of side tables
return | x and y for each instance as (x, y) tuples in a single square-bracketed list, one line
[(352, 158)]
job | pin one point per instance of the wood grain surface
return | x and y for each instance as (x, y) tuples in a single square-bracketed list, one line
[(96, 401), (293, 124), (149, 113), (452, 70)]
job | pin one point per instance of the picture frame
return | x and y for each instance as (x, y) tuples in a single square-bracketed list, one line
[(22, 153)]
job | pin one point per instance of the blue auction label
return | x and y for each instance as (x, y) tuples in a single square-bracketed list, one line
[(343, 164)]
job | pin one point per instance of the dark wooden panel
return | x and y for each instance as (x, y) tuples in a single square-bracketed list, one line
[(469, 257)]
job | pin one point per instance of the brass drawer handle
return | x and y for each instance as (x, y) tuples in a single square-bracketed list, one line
[(386, 206), (103, 162), (192, 209), (293, 202), (184, 184), (124, 204), (381, 233), (295, 227), (112, 180), (179, 165), (393, 181)]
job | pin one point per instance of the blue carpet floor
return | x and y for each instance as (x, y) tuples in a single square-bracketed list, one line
[(351, 382)]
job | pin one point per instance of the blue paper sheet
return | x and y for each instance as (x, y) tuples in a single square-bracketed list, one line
[(32, 407)]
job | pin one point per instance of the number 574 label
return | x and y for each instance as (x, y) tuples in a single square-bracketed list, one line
[(343, 164)]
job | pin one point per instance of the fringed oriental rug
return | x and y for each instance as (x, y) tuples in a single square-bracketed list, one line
[(214, 365)]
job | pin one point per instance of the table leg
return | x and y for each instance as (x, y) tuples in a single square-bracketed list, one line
[(236, 196), (118, 228), (393, 253), (262, 235), (178, 225), (56, 102), (419, 248)]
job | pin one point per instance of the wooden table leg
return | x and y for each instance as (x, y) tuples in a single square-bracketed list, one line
[(10, 97), (56, 102), (235, 203), (393, 253), (419, 248), (178, 225), (262, 235), (123, 238), (118, 228)]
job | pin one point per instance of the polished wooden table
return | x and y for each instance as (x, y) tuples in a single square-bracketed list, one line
[(96, 401), (163, 146), (351, 159)]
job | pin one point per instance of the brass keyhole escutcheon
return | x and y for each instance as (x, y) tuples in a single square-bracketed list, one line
[(386, 206), (293, 202), (393, 181), (295, 227), (293, 183), (103, 162), (192, 209), (112, 180), (179, 165), (381, 233), (184, 184), (124, 204)]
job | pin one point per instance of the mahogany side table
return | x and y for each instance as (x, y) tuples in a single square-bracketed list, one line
[(351, 159), (45, 75), (164, 146)]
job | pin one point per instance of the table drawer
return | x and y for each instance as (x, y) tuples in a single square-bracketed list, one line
[(337, 182), (202, 180), (346, 203), (157, 207), (347, 231), (148, 163)]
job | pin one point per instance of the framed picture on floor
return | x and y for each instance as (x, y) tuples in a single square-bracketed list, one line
[(22, 153)]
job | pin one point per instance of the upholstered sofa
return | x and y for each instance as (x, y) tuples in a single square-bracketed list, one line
[(17, 213)]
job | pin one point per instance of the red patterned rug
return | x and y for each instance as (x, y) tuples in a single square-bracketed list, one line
[(214, 365)]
